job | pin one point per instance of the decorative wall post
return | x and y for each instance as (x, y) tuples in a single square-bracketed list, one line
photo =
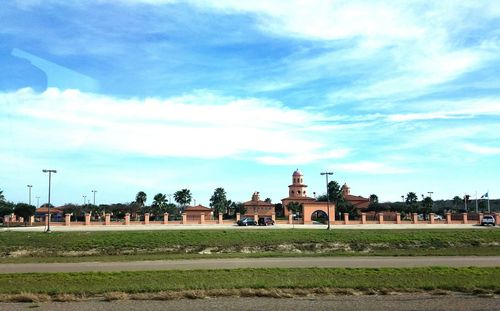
[(346, 218), (127, 219), (184, 218), (363, 218), (238, 216), (146, 218), (381, 218), (256, 217), (398, 218), (67, 219), (202, 218), (107, 219), (464, 218), (87, 219), (273, 216), (497, 218), (415, 218), (481, 215), (220, 222), (165, 218), (448, 218), (431, 218), (32, 220)]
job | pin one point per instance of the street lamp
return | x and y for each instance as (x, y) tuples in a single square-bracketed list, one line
[(94, 191), (84, 199), (29, 189), (328, 197), (50, 175), (37, 202)]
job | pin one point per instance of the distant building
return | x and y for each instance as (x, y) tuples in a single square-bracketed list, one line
[(258, 207), (297, 192), (359, 202), (194, 212)]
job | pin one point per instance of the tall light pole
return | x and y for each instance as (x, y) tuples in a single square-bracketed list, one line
[(84, 199), (37, 202), (94, 191), (327, 197), (50, 175), (29, 190)]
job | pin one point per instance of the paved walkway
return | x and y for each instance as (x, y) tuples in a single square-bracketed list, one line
[(235, 227), (233, 263)]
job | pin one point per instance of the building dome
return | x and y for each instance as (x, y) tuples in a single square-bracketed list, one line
[(297, 173)]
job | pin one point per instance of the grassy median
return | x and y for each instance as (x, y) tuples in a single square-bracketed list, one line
[(241, 281), (144, 245)]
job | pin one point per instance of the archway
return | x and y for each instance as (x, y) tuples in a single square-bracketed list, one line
[(319, 216)]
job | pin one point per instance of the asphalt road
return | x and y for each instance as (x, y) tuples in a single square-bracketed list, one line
[(233, 263), (318, 303)]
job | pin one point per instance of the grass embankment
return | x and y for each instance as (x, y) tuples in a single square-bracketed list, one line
[(247, 282), (147, 245)]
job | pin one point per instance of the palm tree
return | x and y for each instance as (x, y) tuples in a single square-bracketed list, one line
[(141, 198), (2, 197), (218, 201), (373, 198), (158, 206), (183, 197)]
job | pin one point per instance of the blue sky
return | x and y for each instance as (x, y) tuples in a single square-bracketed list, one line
[(130, 95)]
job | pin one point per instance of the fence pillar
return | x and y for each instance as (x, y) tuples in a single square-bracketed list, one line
[(497, 219), (256, 217), (381, 218), (67, 219), (146, 218), (238, 217), (273, 216), (290, 219), (481, 215), (107, 219), (127, 219), (448, 218), (363, 218), (398, 218), (221, 221), (165, 218), (431, 218), (32, 220), (87, 219), (464, 218), (346, 218), (415, 218), (202, 218), (184, 218)]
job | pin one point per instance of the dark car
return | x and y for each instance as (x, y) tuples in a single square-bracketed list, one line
[(266, 221), (488, 220), (247, 222)]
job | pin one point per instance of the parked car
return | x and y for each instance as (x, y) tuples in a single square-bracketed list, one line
[(266, 221), (438, 217), (488, 220), (247, 222)]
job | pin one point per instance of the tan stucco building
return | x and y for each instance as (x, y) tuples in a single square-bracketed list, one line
[(297, 192), (258, 207)]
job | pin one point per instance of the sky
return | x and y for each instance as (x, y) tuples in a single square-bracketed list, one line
[(156, 96)]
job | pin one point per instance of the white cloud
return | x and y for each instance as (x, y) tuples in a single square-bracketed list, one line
[(369, 167), (483, 150), (72, 120), (303, 157)]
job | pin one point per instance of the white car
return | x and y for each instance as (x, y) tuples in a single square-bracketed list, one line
[(488, 220), (438, 217)]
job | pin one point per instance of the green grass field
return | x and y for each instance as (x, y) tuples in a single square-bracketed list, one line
[(141, 245), (482, 280)]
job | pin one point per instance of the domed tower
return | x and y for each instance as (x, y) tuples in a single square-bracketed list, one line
[(346, 190), (297, 189)]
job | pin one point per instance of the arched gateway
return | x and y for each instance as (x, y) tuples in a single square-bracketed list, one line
[(297, 192)]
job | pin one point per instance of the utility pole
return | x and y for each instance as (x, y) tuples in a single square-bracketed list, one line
[(327, 197), (29, 190), (50, 175), (94, 191), (84, 199), (37, 202)]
